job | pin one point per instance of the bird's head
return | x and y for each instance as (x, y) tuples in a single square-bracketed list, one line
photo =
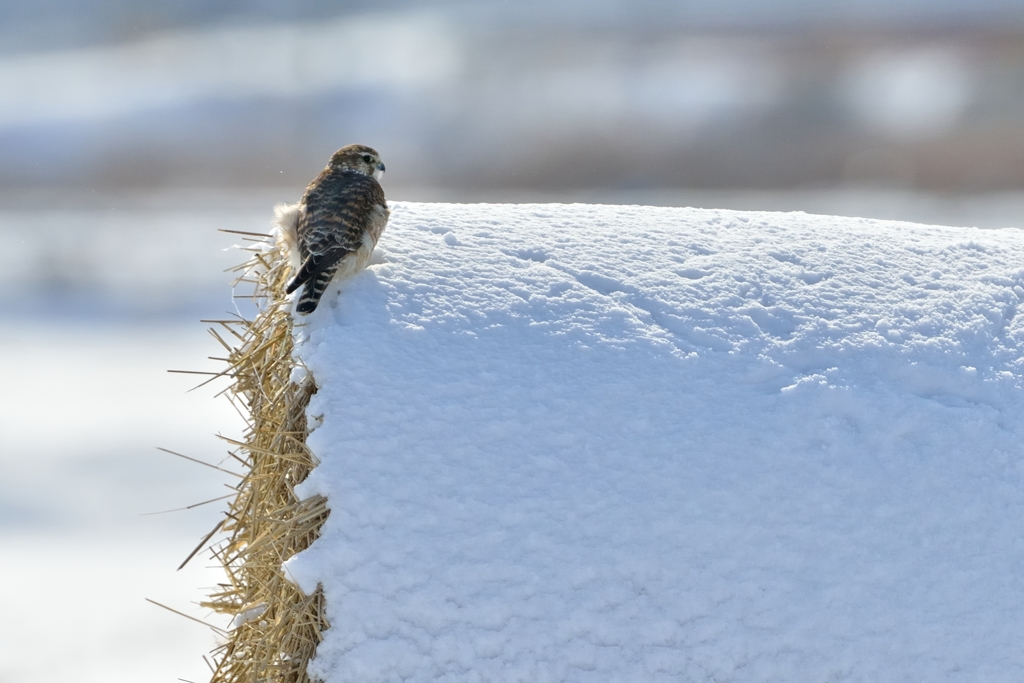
[(358, 158)]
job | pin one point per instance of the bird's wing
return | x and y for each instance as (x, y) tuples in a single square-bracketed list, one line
[(339, 209)]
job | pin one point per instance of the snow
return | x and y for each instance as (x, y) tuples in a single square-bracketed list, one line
[(596, 443), (247, 615)]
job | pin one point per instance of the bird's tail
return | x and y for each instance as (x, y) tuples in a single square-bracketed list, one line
[(314, 289)]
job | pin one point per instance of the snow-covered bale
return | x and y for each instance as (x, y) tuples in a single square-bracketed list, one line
[(589, 443)]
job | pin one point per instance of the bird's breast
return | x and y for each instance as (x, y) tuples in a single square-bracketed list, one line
[(378, 220)]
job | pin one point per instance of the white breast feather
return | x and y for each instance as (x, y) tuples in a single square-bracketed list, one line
[(286, 217)]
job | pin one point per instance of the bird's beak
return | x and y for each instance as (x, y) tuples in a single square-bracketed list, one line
[(380, 167)]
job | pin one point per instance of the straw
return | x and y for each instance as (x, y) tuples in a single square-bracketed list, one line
[(267, 523)]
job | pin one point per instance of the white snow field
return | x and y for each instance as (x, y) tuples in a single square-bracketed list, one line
[(597, 443)]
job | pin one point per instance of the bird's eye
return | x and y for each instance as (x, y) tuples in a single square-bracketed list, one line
[(367, 158)]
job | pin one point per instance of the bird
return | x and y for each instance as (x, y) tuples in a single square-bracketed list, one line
[(334, 228)]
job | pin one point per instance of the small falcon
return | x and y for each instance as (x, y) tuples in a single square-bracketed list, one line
[(336, 225)]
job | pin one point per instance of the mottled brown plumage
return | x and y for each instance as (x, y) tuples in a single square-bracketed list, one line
[(340, 218)]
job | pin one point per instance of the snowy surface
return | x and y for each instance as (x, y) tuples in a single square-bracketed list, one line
[(594, 443)]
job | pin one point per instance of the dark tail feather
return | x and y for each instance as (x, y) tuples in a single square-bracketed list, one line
[(314, 289), (315, 264)]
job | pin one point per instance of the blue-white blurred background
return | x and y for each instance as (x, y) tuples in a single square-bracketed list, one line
[(131, 131)]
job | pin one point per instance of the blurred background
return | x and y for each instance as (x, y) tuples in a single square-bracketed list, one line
[(131, 131)]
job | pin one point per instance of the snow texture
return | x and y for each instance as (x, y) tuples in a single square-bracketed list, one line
[(595, 443)]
